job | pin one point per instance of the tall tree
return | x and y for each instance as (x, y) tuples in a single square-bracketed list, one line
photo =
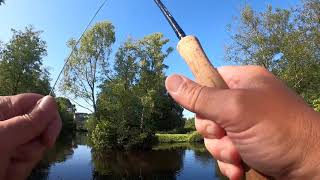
[(21, 68), (88, 65), (135, 103), (159, 111), (285, 41), (67, 111)]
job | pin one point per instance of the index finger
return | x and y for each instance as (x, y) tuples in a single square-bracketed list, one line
[(246, 77), (22, 129), (11, 106)]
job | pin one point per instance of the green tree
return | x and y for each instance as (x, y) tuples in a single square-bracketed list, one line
[(21, 68), (159, 111), (66, 110), (134, 104), (88, 65), (190, 125), (285, 41), (316, 104)]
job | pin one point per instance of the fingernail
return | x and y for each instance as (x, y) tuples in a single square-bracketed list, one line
[(173, 83), (210, 130), (226, 156), (44, 102), (229, 173)]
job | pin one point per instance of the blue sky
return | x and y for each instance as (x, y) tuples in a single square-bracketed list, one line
[(62, 19)]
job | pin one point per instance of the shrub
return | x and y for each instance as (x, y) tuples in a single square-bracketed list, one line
[(104, 136), (172, 138), (91, 123), (195, 137), (190, 125), (316, 104), (107, 135)]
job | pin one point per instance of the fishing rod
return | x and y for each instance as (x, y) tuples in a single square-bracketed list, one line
[(74, 47), (205, 73), (191, 50)]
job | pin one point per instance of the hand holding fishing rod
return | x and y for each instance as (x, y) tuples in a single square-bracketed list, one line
[(190, 49), (227, 137)]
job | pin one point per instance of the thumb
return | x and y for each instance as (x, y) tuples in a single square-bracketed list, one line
[(209, 103), (22, 129)]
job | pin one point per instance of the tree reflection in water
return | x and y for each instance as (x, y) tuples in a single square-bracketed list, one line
[(62, 151), (138, 165), (165, 161)]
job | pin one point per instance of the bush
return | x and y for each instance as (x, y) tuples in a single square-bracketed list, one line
[(107, 135), (316, 104), (104, 136), (172, 138), (68, 123), (195, 137), (91, 123), (189, 125)]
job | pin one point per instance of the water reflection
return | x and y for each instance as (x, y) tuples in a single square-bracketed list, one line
[(72, 158), (138, 164), (62, 151)]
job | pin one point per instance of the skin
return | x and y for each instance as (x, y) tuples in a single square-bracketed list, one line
[(29, 125), (258, 122)]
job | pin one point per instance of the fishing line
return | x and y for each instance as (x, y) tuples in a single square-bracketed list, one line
[(77, 43)]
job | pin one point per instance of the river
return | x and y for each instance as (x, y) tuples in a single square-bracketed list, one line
[(72, 158)]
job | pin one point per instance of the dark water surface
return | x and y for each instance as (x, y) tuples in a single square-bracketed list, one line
[(74, 159)]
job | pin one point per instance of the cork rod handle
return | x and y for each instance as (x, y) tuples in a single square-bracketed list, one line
[(191, 50)]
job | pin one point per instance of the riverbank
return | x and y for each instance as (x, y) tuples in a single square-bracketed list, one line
[(75, 159), (179, 138)]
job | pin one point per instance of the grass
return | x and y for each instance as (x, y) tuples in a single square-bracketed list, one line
[(178, 138), (184, 145), (172, 138)]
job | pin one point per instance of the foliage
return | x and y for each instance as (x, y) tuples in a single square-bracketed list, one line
[(1, 2), (104, 135), (66, 110), (198, 147), (190, 125), (195, 137), (316, 104), (88, 65), (172, 138), (285, 41), (21, 68), (176, 138), (134, 101), (108, 135), (90, 123)]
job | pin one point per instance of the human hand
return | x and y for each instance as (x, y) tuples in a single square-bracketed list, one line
[(29, 124), (258, 121)]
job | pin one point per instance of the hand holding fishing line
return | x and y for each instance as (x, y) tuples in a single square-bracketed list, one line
[(29, 125)]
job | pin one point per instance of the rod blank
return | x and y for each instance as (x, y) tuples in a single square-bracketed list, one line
[(173, 23)]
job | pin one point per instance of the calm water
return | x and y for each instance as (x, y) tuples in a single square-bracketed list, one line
[(73, 159)]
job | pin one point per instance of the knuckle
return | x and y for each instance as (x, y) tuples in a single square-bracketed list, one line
[(261, 70), (195, 99), (6, 107), (30, 122), (237, 104), (200, 127), (208, 129)]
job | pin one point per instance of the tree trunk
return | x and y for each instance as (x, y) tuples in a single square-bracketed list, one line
[(142, 120)]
